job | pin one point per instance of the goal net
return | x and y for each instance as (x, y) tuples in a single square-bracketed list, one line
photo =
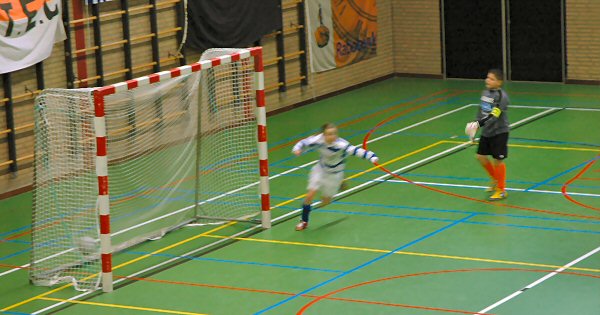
[(121, 164)]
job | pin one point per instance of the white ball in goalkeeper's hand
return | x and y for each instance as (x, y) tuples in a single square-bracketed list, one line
[(471, 129), (87, 245)]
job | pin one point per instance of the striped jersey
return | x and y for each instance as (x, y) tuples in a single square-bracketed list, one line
[(332, 156)]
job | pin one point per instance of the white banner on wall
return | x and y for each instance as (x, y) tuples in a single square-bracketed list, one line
[(28, 31), (340, 32), (320, 35)]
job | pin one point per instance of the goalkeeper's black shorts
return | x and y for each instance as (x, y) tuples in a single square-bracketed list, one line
[(496, 146)]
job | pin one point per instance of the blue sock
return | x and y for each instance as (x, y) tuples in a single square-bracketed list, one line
[(305, 212)]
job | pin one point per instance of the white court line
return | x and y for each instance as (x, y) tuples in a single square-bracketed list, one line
[(551, 107), (483, 187), (291, 213), (535, 283)]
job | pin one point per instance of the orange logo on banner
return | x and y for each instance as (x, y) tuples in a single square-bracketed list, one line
[(355, 30), (17, 17), (322, 32)]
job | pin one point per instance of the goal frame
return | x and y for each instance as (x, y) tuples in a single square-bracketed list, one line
[(99, 94)]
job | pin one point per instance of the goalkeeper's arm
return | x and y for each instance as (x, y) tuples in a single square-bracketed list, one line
[(492, 116)]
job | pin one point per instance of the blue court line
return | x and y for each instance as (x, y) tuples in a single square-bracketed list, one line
[(465, 212), (561, 174), (25, 227), (14, 313), (555, 141), (290, 208), (15, 254), (345, 273), (238, 262), (533, 227), (397, 216), (462, 178), (14, 241)]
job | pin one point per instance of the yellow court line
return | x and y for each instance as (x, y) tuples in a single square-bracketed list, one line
[(537, 147), (373, 250), (396, 159), (366, 171), (39, 296), (128, 307)]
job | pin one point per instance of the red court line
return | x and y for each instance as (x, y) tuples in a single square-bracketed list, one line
[(365, 146), (357, 120), (555, 94), (544, 93), (214, 286), (13, 266), (328, 295), (564, 187)]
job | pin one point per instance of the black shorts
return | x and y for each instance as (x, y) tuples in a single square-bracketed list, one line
[(496, 146)]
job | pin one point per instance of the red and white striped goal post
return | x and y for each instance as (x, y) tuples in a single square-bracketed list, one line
[(101, 144)]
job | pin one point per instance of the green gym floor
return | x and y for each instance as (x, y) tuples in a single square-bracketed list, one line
[(421, 241)]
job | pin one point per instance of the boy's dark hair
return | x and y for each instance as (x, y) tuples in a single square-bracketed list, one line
[(497, 73), (327, 126)]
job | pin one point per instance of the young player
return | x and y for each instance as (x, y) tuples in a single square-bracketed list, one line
[(327, 175), (493, 120)]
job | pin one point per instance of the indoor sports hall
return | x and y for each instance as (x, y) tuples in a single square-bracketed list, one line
[(143, 171)]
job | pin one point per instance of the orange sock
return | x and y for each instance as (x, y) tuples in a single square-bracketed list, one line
[(490, 169), (501, 175)]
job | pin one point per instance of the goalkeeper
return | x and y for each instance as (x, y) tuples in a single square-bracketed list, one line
[(493, 120), (327, 175)]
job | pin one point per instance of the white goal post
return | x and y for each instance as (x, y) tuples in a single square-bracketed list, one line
[(121, 164)]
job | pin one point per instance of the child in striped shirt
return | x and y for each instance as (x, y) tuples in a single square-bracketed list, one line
[(327, 175)]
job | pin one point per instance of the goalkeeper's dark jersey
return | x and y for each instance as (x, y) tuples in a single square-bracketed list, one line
[(493, 125)]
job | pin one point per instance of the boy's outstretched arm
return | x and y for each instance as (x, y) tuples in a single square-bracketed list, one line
[(362, 153)]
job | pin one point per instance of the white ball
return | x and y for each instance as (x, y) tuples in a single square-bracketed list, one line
[(87, 245)]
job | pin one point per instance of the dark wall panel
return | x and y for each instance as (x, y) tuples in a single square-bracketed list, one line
[(535, 40), (473, 37)]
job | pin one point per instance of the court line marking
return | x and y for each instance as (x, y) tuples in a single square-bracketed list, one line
[(312, 296), (567, 195), (420, 274), (127, 307), (543, 147), (369, 262), (374, 250), (540, 280), (545, 181), (116, 267), (550, 192), (550, 107), (188, 253), (273, 220)]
